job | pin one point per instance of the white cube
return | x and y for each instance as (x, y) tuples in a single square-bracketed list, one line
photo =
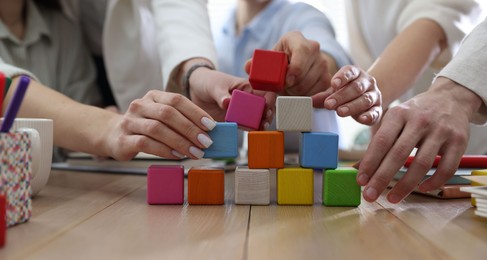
[(252, 186), (294, 114)]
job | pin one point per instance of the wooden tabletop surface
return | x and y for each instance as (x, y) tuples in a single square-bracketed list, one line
[(81, 215)]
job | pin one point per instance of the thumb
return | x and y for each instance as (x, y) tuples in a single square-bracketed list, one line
[(248, 65), (222, 98)]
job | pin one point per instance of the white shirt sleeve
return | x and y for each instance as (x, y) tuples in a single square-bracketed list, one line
[(468, 67), (12, 71), (456, 18), (145, 40), (183, 32)]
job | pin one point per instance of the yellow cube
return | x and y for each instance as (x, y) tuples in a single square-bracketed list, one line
[(295, 186), (477, 172)]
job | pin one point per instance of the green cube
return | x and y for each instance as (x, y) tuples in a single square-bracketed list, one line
[(340, 188)]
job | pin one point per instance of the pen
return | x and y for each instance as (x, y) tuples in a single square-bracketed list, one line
[(14, 105), (467, 161)]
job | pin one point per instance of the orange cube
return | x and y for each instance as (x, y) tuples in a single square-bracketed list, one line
[(206, 186), (266, 149)]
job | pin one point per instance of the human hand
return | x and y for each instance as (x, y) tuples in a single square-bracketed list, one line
[(161, 123), (309, 69), (211, 90), (353, 93), (437, 123)]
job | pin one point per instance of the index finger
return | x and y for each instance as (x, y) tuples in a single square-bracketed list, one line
[(379, 146), (300, 52), (344, 76), (191, 111)]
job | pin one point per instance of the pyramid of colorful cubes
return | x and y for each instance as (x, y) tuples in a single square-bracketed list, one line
[(295, 185)]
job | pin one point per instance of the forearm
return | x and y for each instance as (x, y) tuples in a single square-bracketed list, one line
[(406, 58), (76, 126)]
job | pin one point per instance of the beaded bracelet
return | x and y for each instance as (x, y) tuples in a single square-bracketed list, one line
[(188, 75)]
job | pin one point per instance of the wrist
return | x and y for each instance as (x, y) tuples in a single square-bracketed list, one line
[(189, 68), (467, 100)]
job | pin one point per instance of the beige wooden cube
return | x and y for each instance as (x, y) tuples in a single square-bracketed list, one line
[(294, 114), (252, 186)]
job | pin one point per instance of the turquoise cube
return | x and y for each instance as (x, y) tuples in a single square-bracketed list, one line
[(225, 141), (340, 188), (318, 150)]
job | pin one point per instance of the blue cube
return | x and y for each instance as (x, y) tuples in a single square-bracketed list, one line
[(318, 150), (225, 141)]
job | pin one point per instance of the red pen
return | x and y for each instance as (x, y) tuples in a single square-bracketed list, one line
[(467, 161)]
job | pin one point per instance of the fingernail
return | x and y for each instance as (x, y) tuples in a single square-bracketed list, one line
[(269, 113), (177, 154), (330, 103), (290, 80), (393, 198), (337, 82), (371, 193), (344, 110), (205, 140), (196, 152), (266, 125), (348, 75), (363, 118), (363, 179), (208, 123)]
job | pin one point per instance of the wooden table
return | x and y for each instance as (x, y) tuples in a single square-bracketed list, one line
[(105, 216)]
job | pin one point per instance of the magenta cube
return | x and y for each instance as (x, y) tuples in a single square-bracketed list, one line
[(165, 184), (245, 109)]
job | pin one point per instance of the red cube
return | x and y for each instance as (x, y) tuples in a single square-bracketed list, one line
[(268, 70)]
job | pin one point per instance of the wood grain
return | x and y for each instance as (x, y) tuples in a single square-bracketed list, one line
[(206, 186), (294, 114), (68, 200), (266, 149), (318, 232), (104, 216), (252, 186), (132, 229)]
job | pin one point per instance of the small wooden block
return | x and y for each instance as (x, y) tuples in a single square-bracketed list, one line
[(318, 150), (3, 223), (473, 183), (265, 149), (206, 186), (294, 114), (268, 70), (252, 186), (340, 188), (295, 186), (225, 141), (165, 184), (245, 109)]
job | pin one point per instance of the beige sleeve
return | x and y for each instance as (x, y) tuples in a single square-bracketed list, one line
[(468, 67)]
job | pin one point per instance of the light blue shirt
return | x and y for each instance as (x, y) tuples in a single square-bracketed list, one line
[(264, 31)]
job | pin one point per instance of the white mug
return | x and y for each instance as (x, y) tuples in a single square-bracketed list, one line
[(41, 132)]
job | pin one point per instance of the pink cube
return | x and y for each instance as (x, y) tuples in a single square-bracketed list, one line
[(165, 184), (245, 109)]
